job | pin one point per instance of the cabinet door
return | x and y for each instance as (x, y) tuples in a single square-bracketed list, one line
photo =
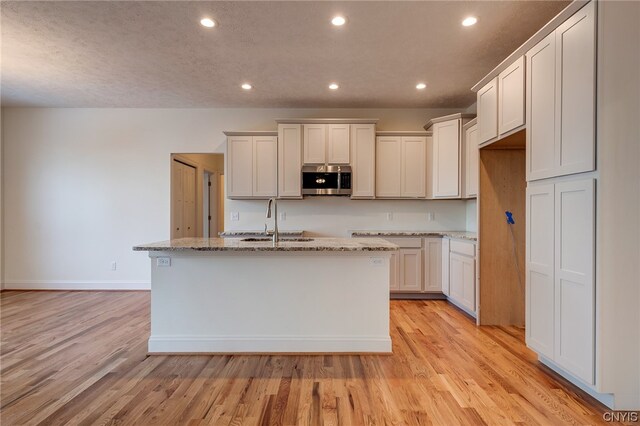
[(574, 277), (541, 104), (265, 166), (413, 167), (289, 160), (456, 277), (539, 268), (411, 270), (472, 161), (315, 139), (511, 97), (575, 92), (363, 160), (488, 111), (239, 166), (388, 166), (445, 266), (468, 283), (338, 144), (432, 264), (394, 272), (446, 159)]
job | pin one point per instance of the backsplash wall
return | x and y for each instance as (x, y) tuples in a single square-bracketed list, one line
[(336, 216)]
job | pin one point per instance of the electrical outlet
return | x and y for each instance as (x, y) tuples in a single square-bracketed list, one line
[(389, 216), (377, 261), (430, 216), (283, 215), (235, 216), (114, 265), (163, 261)]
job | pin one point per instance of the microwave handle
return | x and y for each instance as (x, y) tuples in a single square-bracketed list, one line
[(339, 180)]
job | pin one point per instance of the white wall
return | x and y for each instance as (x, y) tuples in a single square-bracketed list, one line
[(472, 215), (84, 185)]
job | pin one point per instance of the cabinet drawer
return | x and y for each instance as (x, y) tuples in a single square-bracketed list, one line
[(406, 242), (467, 249)]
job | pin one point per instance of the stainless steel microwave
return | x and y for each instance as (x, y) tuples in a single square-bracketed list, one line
[(326, 180)]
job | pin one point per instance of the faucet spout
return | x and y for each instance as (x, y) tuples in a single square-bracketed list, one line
[(276, 236)]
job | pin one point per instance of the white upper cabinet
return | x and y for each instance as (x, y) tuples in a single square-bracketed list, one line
[(401, 166), (252, 164), (561, 99), (511, 88), (338, 143), (413, 180), (239, 166), (265, 166), (541, 116), (315, 141), (326, 143), (388, 166), (575, 95), (472, 159), (446, 159), (289, 160), (487, 105), (363, 160)]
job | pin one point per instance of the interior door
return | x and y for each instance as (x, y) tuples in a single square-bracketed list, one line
[(177, 200), (189, 185)]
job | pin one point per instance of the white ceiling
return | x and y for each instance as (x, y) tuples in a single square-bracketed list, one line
[(156, 54)]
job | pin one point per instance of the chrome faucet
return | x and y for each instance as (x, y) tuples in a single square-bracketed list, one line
[(276, 236)]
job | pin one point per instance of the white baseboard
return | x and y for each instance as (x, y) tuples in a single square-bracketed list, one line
[(76, 285), (262, 344), (605, 398)]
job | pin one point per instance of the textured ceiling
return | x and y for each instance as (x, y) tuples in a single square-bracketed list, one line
[(155, 54)]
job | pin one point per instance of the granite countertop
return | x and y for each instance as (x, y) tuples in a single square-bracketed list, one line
[(232, 234), (238, 245), (462, 235)]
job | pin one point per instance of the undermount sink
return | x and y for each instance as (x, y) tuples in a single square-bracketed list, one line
[(249, 240)]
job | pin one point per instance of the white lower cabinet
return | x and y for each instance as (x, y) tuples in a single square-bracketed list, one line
[(560, 296), (433, 264), (410, 270), (394, 275), (445, 265), (462, 275)]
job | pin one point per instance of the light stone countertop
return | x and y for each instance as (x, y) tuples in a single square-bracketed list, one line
[(462, 235), (243, 233), (238, 245)]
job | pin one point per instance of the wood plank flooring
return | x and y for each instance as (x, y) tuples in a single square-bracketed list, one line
[(80, 358)]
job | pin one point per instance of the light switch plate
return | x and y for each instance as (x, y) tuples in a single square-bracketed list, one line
[(430, 216), (283, 216), (377, 261), (235, 216), (389, 216)]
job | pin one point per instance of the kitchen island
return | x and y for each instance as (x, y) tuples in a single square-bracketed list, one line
[(234, 295)]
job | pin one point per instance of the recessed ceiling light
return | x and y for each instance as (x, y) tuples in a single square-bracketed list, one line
[(333, 86), (207, 22), (247, 86), (421, 86), (471, 20), (338, 21)]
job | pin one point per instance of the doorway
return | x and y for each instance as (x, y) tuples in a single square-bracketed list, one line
[(197, 195)]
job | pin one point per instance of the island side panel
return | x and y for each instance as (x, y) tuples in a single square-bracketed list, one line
[(270, 302)]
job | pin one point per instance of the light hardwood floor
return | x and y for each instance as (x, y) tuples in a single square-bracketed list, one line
[(80, 358)]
